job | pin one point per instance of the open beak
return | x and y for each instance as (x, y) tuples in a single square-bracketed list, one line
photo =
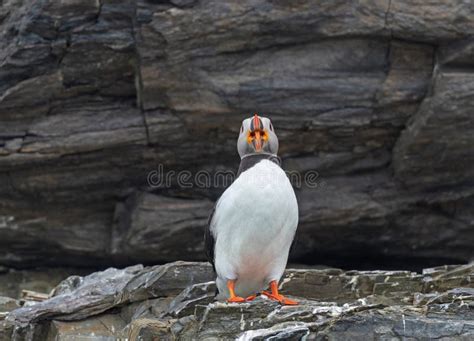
[(257, 135)]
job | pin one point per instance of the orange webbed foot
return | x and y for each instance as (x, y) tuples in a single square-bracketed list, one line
[(233, 297), (287, 301), (236, 299), (279, 298), (276, 296), (251, 297)]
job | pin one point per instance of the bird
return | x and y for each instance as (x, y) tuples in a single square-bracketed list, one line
[(253, 224)]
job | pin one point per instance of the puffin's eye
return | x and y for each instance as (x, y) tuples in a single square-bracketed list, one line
[(271, 126), (242, 129)]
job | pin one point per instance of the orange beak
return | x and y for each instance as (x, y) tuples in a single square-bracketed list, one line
[(257, 135), (258, 141)]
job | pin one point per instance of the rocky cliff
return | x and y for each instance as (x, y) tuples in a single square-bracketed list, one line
[(376, 96), (175, 302)]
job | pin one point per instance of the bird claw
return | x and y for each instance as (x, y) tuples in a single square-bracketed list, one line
[(279, 298)]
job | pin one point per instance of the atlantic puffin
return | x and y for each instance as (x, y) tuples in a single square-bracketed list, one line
[(253, 224)]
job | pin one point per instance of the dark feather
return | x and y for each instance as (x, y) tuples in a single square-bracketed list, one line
[(251, 160), (293, 243)]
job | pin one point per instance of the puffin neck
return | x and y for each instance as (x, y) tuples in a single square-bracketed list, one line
[(250, 160), (262, 156)]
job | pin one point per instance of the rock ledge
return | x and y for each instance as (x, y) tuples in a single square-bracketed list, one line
[(176, 301)]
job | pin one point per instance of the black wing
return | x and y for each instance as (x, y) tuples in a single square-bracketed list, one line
[(293, 243), (209, 241)]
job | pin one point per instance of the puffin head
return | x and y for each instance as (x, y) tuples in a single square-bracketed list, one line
[(257, 136)]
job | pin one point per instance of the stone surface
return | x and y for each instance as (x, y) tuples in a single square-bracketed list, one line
[(8, 304), (78, 297), (434, 139), (174, 302), (149, 329), (6, 331), (12, 282), (431, 20), (458, 53), (104, 327), (375, 96), (136, 235)]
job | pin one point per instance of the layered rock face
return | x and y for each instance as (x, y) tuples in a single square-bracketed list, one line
[(176, 302), (377, 97)]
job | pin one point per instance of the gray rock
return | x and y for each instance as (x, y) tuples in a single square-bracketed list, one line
[(103, 328), (93, 295), (77, 298), (149, 329), (185, 302), (430, 21), (13, 282), (8, 304), (458, 53), (394, 323), (178, 234), (432, 151), (173, 301), (150, 308), (6, 330)]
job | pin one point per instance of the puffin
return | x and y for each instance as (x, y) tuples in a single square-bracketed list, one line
[(253, 224)]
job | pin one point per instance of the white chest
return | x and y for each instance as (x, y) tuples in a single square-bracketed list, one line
[(255, 221)]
